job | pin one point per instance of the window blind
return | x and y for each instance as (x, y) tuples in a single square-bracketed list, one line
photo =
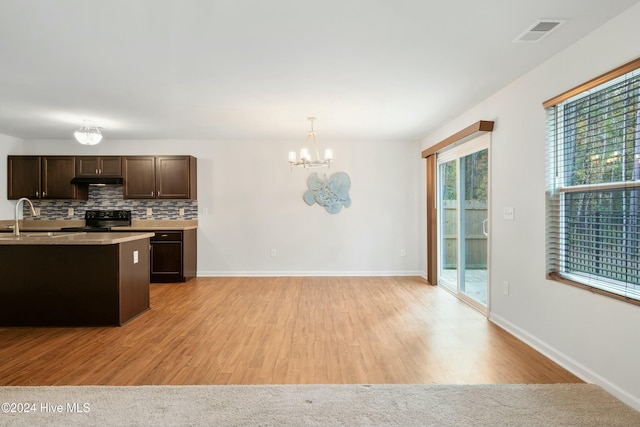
[(593, 187)]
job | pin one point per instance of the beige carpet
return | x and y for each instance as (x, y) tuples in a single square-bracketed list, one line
[(323, 405)]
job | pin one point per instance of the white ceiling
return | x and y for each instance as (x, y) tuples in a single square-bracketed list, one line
[(255, 69)]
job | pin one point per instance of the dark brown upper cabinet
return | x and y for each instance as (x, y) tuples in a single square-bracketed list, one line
[(159, 177), (24, 177), (42, 177), (88, 166)]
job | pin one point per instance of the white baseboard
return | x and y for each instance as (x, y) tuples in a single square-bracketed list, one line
[(309, 273), (566, 362)]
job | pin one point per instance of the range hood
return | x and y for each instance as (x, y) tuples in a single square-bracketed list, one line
[(97, 180)]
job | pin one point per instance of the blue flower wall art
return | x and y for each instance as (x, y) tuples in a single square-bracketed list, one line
[(331, 193)]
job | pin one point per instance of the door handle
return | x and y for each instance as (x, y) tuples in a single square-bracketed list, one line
[(485, 231)]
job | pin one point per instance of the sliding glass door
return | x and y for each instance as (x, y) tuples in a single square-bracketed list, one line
[(448, 224), (463, 221)]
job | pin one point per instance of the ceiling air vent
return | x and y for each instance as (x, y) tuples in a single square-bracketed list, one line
[(539, 30)]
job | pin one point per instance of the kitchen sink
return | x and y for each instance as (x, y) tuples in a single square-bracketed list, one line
[(37, 235), (44, 234)]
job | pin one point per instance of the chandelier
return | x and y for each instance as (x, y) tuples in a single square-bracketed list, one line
[(88, 134), (305, 157)]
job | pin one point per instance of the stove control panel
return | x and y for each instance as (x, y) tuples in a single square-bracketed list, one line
[(107, 218), (111, 214)]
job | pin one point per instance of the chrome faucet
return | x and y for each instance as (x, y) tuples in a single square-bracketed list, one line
[(16, 230)]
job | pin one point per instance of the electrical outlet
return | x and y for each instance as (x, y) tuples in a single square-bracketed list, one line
[(508, 213), (37, 211), (135, 257), (70, 212), (149, 211), (181, 212), (505, 287), (274, 252)]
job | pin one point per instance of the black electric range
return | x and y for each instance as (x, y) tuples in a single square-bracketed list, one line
[(96, 221)]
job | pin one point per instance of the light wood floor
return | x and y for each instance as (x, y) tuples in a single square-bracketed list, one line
[(281, 331)]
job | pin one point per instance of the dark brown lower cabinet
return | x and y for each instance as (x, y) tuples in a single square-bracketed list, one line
[(73, 285), (173, 256)]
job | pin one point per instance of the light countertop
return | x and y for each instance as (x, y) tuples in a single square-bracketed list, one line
[(64, 238), (136, 225), (151, 225)]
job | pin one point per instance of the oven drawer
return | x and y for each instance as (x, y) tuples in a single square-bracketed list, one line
[(163, 236)]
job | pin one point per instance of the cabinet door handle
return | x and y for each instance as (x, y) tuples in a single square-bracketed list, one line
[(97, 171), (151, 193), (37, 194), (44, 194), (164, 235), (100, 171)]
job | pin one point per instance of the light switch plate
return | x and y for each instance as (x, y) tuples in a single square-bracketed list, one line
[(135, 257)]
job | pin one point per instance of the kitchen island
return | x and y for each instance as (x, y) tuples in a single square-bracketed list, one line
[(73, 279)]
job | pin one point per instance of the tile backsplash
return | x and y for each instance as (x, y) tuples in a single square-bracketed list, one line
[(110, 197)]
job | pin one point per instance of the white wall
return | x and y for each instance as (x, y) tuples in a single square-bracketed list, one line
[(254, 204), (594, 336), (8, 145)]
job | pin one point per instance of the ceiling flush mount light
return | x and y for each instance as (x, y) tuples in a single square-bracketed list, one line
[(88, 134), (305, 157)]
